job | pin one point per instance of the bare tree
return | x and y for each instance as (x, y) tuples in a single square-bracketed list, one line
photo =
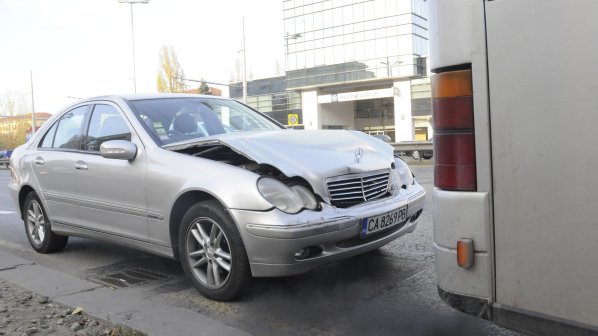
[(170, 74), (13, 103)]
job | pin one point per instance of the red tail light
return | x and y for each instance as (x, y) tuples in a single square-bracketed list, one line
[(454, 137)]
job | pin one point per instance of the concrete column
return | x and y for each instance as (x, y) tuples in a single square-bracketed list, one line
[(430, 128), (312, 113), (402, 100)]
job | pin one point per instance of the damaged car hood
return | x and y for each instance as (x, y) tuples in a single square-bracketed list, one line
[(313, 154)]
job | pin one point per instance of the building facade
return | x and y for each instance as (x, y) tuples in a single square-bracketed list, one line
[(351, 64), (360, 64)]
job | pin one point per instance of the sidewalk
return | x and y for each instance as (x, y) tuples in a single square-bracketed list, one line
[(129, 308), (25, 313)]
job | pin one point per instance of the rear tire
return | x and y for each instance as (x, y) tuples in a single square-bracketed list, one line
[(38, 228), (212, 252)]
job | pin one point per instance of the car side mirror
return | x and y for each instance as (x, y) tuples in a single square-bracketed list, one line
[(118, 149)]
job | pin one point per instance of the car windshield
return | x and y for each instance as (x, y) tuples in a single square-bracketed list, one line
[(171, 120)]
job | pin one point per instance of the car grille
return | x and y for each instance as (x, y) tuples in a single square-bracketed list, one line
[(352, 189)]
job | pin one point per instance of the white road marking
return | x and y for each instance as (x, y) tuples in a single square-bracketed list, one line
[(6, 212)]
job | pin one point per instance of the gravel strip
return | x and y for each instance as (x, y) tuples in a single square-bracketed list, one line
[(24, 313)]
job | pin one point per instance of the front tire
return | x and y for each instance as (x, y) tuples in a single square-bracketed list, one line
[(212, 252), (37, 227)]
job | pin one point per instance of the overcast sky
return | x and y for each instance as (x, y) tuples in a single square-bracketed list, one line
[(82, 48)]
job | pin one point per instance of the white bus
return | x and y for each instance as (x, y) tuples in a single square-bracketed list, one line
[(515, 97)]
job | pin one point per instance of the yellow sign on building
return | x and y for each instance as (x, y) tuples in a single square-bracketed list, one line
[(293, 119)]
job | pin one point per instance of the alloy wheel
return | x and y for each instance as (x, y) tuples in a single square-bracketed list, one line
[(36, 223), (208, 253)]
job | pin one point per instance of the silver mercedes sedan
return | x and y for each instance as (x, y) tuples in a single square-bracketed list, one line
[(211, 182)]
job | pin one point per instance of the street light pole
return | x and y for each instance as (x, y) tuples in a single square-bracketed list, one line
[(32, 105), (132, 2), (244, 66)]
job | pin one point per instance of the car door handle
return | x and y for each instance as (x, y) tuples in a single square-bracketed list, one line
[(81, 165), (39, 161)]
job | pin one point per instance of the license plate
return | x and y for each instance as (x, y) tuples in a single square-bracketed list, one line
[(371, 225)]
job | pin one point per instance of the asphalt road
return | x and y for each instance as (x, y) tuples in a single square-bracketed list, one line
[(391, 291)]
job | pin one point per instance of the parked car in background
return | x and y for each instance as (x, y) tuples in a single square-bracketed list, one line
[(415, 149), (382, 137), (224, 189), (428, 154), (5, 154), (5, 157)]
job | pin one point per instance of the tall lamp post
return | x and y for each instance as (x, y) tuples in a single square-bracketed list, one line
[(132, 2), (33, 128), (244, 66)]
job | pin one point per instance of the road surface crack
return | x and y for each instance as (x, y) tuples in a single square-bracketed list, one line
[(81, 291), (15, 266)]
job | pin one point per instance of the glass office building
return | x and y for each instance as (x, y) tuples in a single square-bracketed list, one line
[(270, 96), (336, 41), (360, 64)]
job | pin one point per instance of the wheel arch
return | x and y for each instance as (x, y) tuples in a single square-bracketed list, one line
[(179, 208), (25, 190)]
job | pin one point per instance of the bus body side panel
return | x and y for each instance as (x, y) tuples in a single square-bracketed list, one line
[(458, 38), (451, 33), (462, 215), (543, 83)]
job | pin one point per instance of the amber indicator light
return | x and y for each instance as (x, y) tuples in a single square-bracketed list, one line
[(465, 252), (452, 84)]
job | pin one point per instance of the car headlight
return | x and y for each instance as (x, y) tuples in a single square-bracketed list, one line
[(405, 176), (13, 175), (288, 199)]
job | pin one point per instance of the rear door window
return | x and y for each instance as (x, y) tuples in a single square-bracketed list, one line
[(49, 137), (68, 132)]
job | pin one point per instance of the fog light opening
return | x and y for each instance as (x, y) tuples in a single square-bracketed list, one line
[(416, 216), (308, 252)]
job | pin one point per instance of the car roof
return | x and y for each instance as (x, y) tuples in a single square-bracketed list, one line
[(141, 96)]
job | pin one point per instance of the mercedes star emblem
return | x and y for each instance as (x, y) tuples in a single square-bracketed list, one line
[(358, 154)]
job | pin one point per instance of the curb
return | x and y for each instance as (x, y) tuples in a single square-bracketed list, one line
[(118, 307)]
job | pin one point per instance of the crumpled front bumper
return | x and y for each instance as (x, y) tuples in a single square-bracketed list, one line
[(272, 238)]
